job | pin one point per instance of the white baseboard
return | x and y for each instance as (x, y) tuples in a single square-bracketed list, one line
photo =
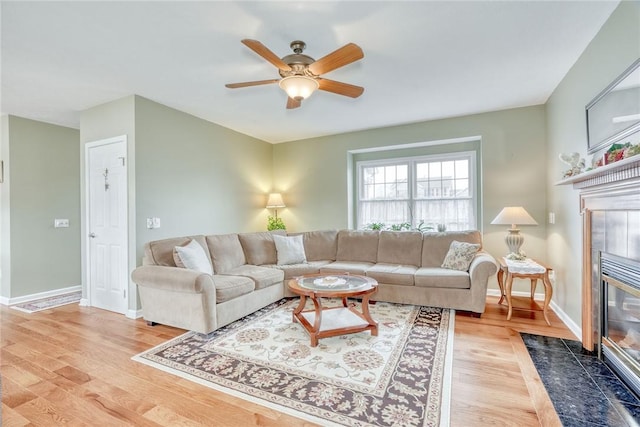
[(134, 314), (84, 302), (39, 295), (569, 323)]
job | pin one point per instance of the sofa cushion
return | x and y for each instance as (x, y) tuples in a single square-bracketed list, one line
[(442, 278), (230, 287), (319, 245), (259, 248), (192, 256), (160, 252), (338, 267), (359, 246), (460, 255), (290, 250), (400, 247), (262, 276), (436, 245), (226, 252), (392, 274), (294, 270)]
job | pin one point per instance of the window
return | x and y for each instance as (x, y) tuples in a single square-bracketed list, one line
[(420, 192)]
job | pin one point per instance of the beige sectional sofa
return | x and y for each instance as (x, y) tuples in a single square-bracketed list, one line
[(246, 274)]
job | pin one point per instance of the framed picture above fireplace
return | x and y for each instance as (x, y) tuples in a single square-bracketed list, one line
[(615, 113)]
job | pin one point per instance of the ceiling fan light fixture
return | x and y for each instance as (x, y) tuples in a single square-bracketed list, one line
[(299, 87)]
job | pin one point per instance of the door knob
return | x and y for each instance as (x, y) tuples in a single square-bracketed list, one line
[(92, 235)]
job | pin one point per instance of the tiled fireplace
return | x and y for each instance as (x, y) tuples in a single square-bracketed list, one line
[(610, 208)]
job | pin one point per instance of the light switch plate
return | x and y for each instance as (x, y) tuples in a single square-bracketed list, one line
[(61, 223)]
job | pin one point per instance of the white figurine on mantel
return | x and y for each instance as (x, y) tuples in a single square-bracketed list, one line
[(574, 161)]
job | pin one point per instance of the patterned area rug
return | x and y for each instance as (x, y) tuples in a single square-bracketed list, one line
[(401, 377), (50, 302)]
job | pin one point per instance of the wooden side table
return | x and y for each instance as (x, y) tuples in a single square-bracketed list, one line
[(506, 285)]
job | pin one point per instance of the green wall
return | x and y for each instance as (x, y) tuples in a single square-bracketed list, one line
[(42, 171), (312, 174), (613, 49), (196, 176)]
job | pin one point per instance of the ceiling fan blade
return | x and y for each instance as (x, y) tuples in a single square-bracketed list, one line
[(263, 51), (255, 83), (340, 88), (338, 58), (293, 103)]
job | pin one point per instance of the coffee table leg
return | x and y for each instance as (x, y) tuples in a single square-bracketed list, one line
[(316, 322), (298, 310), (367, 315)]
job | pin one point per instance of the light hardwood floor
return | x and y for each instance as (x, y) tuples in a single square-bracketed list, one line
[(71, 366)]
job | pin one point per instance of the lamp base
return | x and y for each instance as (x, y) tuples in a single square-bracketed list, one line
[(514, 240)]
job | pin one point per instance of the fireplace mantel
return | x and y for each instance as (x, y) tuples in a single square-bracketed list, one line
[(611, 173)]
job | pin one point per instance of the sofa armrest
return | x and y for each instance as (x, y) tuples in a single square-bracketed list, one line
[(171, 278), (482, 267)]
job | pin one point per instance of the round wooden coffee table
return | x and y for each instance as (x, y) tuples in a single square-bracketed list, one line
[(322, 322)]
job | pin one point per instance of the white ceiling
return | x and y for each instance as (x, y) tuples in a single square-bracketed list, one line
[(423, 60)]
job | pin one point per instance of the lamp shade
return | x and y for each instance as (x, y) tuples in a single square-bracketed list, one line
[(299, 87), (514, 215), (275, 201)]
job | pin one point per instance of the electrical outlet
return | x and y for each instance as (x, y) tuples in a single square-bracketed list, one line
[(552, 217), (149, 222), (156, 222), (61, 223)]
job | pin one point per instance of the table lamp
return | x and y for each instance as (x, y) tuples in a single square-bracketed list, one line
[(275, 201), (514, 215)]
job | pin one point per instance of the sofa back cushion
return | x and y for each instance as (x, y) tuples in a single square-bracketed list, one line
[(319, 245), (259, 248), (436, 245), (226, 252), (356, 245), (400, 247), (160, 252)]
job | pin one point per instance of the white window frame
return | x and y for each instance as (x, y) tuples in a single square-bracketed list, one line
[(412, 181)]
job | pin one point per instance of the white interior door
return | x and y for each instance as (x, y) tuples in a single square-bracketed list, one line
[(107, 225)]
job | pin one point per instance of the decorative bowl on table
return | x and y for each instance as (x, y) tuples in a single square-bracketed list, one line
[(329, 281)]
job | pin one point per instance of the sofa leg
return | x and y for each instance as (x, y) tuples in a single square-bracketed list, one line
[(150, 323)]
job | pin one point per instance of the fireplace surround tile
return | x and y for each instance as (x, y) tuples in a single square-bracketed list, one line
[(584, 391)]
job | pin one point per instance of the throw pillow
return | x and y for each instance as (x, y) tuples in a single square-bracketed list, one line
[(460, 255), (290, 249), (193, 257)]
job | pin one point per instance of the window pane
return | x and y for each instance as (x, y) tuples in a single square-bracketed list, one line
[(462, 188), (368, 175), (435, 189), (390, 174), (390, 191), (462, 168), (379, 175), (402, 171), (435, 170), (422, 171), (447, 188), (448, 169), (368, 192), (403, 190)]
